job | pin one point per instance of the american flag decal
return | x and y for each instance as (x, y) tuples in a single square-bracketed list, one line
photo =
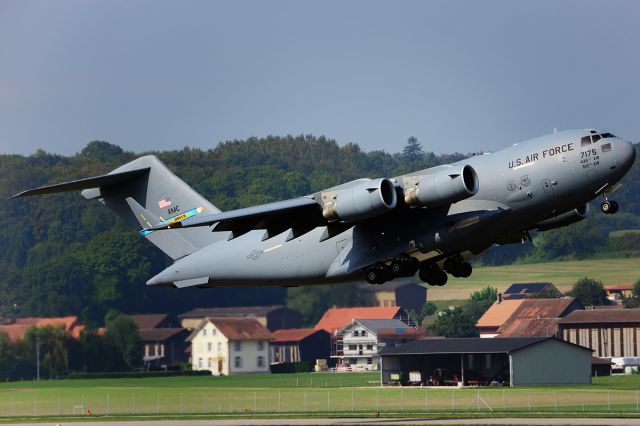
[(164, 203)]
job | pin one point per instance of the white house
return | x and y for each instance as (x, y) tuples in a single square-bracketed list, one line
[(358, 343), (230, 346)]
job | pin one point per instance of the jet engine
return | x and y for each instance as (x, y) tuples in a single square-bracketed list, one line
[(441, 188), (564, 219), (362, 201)]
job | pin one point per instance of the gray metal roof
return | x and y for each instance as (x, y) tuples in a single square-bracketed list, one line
[(468, 345)]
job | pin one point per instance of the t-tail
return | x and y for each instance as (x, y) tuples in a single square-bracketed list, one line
[(146, 194)]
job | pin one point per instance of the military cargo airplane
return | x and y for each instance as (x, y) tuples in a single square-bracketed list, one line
[(429, 222)]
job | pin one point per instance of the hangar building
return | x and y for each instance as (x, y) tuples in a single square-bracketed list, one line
[(514, 361)]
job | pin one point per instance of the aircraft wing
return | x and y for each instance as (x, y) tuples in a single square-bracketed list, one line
[(274, 217)]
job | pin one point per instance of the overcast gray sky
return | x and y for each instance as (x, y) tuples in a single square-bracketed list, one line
[(459, 75)]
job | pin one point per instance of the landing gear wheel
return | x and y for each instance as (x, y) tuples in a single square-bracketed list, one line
[(465, 270), (440, 277), (614, 207), (606, 207), (375, 276), (452, 267), (404, 267), (433, 275)]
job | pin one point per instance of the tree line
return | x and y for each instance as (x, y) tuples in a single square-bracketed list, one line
[(118, 348)]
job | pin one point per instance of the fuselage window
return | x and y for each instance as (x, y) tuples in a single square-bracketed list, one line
[(606, 147), (585, 141)]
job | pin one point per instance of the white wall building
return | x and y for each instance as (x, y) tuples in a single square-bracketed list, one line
[(230, 346), (358, 344)]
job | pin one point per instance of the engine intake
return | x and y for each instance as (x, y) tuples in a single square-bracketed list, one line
[(442, 188), (362, 201), (564, 219)]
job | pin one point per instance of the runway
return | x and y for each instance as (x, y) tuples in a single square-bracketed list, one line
[(353, 421)]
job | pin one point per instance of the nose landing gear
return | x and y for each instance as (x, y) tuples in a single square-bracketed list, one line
[(609, 206)]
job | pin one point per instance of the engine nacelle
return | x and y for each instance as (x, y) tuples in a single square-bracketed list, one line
[(441, 188), (362, 201), (564, 219)]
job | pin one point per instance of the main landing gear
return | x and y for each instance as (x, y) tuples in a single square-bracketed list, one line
[(429, 272), (401, 266), (454, 266)]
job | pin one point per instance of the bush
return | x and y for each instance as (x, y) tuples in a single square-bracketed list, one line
[(292, 367)]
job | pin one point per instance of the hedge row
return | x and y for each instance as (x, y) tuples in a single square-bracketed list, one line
[(133, 374)]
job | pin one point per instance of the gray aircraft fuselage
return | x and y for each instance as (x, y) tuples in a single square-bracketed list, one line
[(519, 187)]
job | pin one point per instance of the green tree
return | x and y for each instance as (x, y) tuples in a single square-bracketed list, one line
[(122, 334), (589, 292), (412, 151), (636, 288), (313, 301), (486, 294), (454, 323)]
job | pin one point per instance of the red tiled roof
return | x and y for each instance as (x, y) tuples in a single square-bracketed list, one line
[(147, 321), (499, 313), (236, 328), (621, 287), (19, 327), (336, 318), (293, 334), (529, 327)]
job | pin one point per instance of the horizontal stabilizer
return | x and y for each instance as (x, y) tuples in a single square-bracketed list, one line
[(92, 182)]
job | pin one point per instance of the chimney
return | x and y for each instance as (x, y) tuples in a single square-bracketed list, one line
[(499, 298)]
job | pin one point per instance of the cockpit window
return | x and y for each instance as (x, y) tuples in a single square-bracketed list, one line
[(595, 138), (586, 140), (608, 135)]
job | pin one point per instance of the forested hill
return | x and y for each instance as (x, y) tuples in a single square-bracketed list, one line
[(64, 255)]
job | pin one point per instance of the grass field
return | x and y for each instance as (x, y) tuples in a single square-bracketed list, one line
[(562, 274), (296, 394)]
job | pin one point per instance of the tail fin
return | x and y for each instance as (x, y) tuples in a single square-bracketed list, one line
[(143, 192)]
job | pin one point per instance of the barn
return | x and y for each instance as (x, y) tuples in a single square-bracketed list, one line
[(477, 362)]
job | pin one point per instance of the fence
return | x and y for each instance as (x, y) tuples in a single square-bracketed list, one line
[(331, 400)]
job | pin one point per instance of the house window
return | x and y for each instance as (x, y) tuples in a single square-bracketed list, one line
[(260, 345), (204, 331), (260, 362), (209, 362), (199, 362), (238, 345), (214, 332), (352, 347), (363, 333), (369, 347), (237, 362), (209, 346), (219, 346), (355, 333)]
